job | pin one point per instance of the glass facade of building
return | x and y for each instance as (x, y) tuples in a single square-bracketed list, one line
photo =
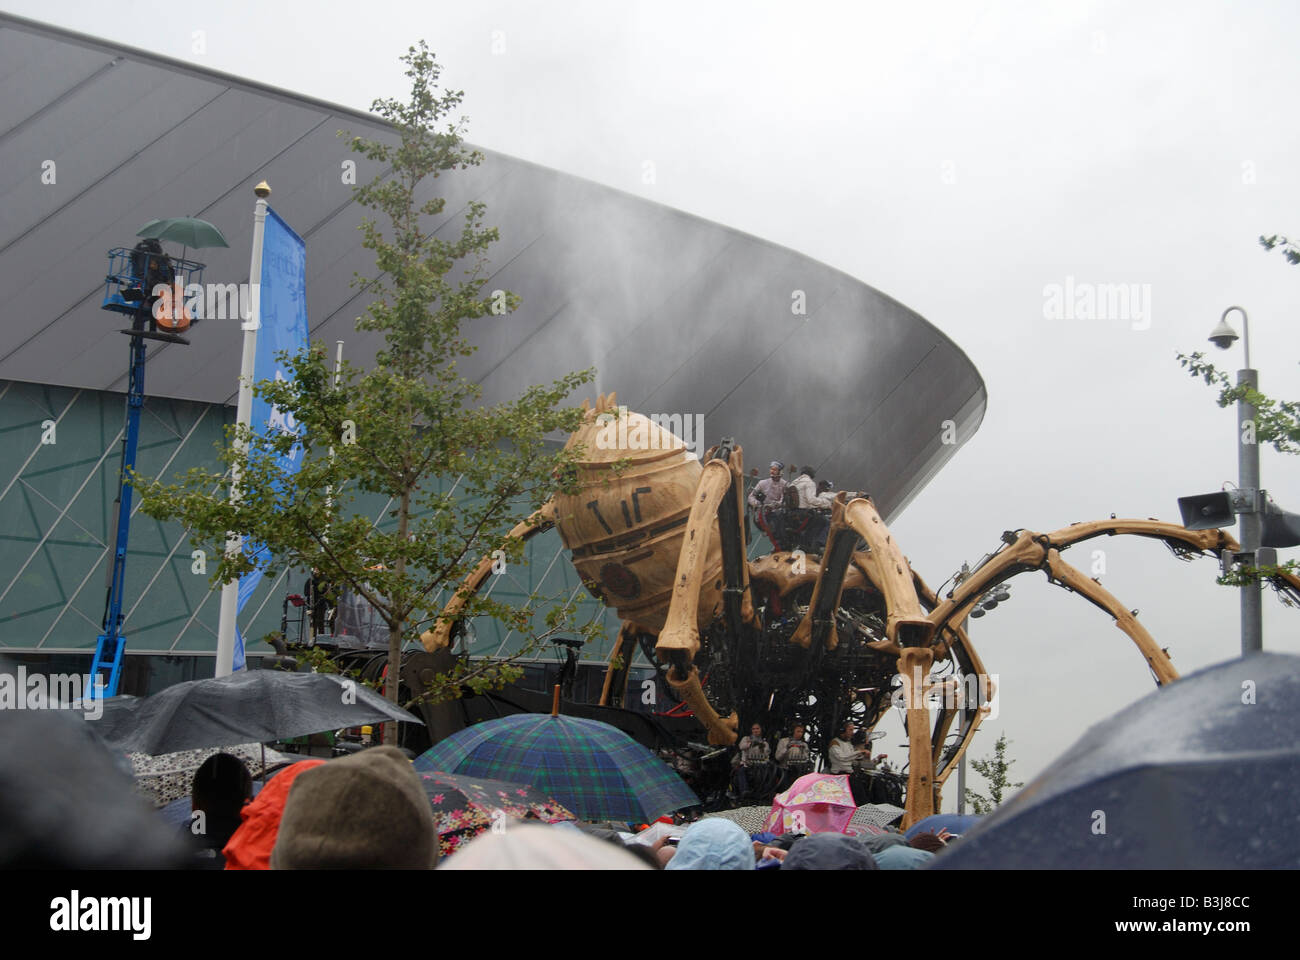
[(58, 486)]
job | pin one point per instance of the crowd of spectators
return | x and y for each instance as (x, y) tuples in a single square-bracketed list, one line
[(793, 513), (365, 811)]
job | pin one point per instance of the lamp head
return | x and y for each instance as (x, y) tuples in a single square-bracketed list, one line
[(1223, 336)]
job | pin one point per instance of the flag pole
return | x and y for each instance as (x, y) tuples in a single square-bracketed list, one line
[(243, 417)]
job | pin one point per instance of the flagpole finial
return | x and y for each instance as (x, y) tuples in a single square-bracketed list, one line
[(263, 190)]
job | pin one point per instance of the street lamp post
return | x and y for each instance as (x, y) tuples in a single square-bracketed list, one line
[(1252, 633), (961, 765), (987, 601)]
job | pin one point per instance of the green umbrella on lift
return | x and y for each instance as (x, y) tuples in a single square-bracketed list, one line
[(187, 231)]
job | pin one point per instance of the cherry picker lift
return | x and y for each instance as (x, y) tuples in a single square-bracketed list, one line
[(147, 286)]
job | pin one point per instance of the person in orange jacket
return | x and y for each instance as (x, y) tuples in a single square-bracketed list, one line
[(251, 844)]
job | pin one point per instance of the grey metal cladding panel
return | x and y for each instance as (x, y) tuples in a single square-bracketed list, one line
[(583, 265), (901, 436), (195, 372), (17, 52), (195, 165), (594, 323), (680, 315), (912, 478), (729, 321), (126, 112), (851, 391), (36, 70), (86, 134), (603, 283), (167, 176), (313, 199)]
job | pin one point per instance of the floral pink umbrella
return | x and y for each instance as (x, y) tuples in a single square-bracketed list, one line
[(815, 803), (464, 807)]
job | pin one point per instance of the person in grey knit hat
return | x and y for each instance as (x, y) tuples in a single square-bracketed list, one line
[(366, 811)]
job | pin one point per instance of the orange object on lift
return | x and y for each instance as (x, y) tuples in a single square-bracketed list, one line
[(167, 314)]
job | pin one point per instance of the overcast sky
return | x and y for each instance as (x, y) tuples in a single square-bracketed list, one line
[(961, 158)]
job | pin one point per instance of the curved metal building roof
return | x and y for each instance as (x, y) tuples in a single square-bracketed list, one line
[(680, 315)]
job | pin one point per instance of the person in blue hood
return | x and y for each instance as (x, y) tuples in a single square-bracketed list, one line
[(713, 844)]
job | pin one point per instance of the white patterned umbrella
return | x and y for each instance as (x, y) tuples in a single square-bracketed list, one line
[(170, 776), (750, 819), (876, 815)]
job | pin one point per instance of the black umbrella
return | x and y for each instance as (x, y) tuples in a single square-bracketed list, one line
[(1200, 774), (248, 706), (66, 803)]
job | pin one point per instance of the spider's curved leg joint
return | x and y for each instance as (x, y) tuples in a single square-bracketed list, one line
[(907, 626), (1077, 581), (1035, 551), (440, 636), (679, 641), (818, 624), (614, 691)]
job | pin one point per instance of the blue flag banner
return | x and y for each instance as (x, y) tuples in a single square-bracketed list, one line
[(283, 328)]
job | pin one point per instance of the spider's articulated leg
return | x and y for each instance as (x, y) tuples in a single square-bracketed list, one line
[(1075, 580), (906, 623), (907, 626), (614, 691), (1027, 551), (737, 602), (437, 638), (1212, 542), (679, 641), (1203, 541), (1287, 583), (1032, 551), (818, 624), (957, 645)]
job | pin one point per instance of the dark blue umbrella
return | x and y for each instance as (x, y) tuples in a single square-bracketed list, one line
[(1201, 774), (594, 769), (955, 823)]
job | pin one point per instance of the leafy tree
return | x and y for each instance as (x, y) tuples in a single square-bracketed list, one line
[(996, 771), (1290, 249), (404, 429), (1277, 422)]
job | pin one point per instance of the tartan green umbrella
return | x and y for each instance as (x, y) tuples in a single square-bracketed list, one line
[(594, 769), (187, 231)]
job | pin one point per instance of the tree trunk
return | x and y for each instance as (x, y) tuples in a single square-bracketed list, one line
[(393, 681), (397, 627)]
